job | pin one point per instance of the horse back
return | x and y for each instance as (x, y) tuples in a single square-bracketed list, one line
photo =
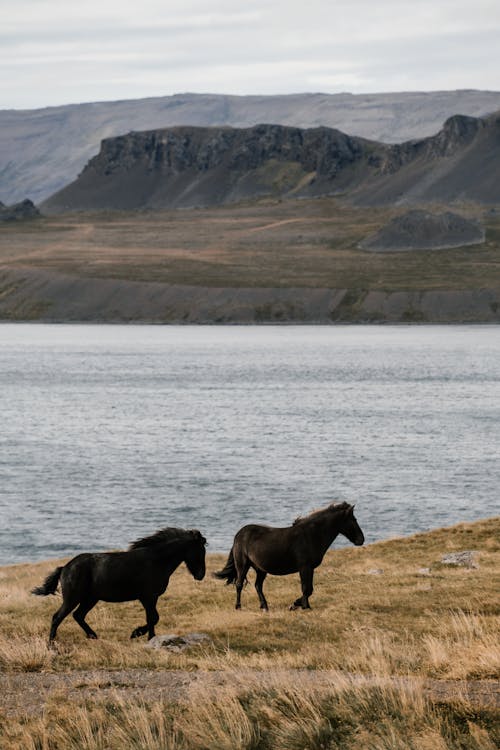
[(278, 551), (257, 530), (122, 576), (114, 576)]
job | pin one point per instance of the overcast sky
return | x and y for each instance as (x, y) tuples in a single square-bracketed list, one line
[(63, 51)]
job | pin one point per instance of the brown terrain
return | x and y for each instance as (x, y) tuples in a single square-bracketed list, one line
[(265, 261)]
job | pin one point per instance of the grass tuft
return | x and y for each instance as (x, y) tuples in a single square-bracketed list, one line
[(25, 654)]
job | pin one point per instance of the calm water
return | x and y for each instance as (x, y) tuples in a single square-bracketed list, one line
[(110, 432)]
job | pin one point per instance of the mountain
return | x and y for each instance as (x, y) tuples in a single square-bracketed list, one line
[(42, 150), (460, 163), (189, 167)]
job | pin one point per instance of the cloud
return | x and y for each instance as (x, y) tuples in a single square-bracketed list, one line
[(53, 52)]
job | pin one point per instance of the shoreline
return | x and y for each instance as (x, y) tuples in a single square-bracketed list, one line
[(40, 296)]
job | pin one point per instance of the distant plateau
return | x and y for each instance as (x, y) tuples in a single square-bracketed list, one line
[(264, 223)]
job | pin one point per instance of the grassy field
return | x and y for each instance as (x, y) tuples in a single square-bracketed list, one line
[(306, 243), (440, 624)]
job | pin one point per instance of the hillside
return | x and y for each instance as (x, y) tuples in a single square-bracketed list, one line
[(266, 261), (189, 167), (42, 150)]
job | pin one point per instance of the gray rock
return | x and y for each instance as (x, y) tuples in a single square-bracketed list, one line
[(19, 211), (463, 559), (421, 230), (424, 571), (179, 643)]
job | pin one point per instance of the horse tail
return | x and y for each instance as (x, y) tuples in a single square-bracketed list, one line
[(49, 586), (228, 572)]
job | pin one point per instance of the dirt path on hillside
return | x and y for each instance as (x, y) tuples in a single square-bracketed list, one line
[(275, 224), (17, 257), (29, 693)]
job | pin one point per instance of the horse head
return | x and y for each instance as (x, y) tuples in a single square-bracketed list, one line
[(349, 526), (195, 554)]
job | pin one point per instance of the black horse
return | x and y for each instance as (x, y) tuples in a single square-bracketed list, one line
[(297, 548), (142, 572)]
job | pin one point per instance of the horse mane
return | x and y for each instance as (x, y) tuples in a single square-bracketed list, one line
[(163, 536), (317, 514)]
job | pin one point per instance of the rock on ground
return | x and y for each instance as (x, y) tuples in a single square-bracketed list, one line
[(19, 211), (463, 559), (422, 230), (178, 643)]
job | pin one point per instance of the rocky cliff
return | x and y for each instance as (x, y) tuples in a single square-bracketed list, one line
[(189, 167)]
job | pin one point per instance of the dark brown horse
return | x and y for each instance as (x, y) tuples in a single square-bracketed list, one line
[(297, 548), (142, 572)]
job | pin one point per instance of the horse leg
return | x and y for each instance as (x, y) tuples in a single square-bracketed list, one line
[(79, 614), (63, 611), (241, 570), (259, 580), (152, 618), (306, 580), (138, 631), (141, 629)]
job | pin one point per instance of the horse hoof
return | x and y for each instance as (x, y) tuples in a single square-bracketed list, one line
[(92, 636), (292, 607)]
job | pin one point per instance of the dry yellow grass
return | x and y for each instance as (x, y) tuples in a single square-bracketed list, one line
[(442, 625), (279, 716), (401, 622)]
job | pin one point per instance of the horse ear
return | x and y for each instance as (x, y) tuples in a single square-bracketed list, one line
[(344, 506), (198, 536)]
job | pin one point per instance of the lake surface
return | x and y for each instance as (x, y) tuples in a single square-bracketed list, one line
[(111, 432)]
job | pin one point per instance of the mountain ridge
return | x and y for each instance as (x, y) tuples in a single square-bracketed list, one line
[(44, 149), (188, 167)]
